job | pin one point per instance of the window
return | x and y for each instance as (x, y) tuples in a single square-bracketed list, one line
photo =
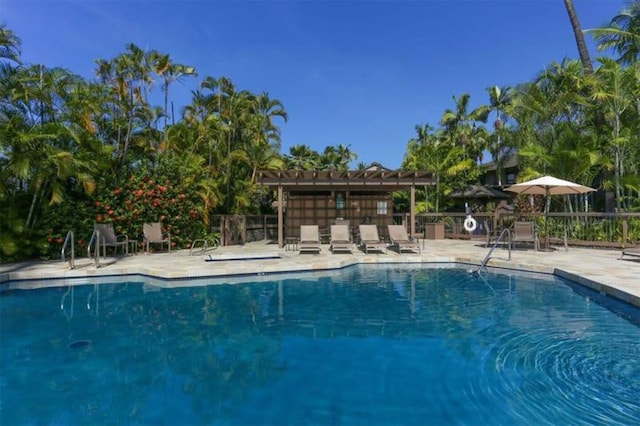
[(382, 208), (339, 201)]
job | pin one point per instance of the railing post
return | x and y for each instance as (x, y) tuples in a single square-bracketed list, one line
[(625, 232)]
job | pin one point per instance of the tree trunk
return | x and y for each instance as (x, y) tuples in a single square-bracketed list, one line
[(580, 41)]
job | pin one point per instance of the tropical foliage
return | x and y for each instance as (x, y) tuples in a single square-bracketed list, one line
[(571, 121), (74, 151)]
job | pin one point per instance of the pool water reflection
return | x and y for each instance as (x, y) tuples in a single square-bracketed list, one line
[(394, 344)]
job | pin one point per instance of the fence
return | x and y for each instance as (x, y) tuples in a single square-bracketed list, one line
[(240, 229), (581, 229), (614, 230)]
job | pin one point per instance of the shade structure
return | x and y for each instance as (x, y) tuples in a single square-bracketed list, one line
[(548, 185)]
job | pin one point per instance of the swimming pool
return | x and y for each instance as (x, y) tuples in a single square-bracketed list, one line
[(374, 344)]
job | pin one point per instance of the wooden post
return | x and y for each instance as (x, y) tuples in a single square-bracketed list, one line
[(280, 217), (412, 214)]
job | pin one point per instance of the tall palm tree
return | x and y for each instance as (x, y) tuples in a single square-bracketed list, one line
[(499, 102), (170, 72), (585, 58)]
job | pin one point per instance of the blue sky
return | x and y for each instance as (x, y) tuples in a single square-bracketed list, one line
[(361, 73)]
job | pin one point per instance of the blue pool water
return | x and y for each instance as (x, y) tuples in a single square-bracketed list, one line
[(370, 345)]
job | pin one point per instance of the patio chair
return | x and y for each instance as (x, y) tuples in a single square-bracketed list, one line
[(525, 232), (340, 238), (400, 239), (490, 233), (309, 239), (630, 251), (108, 238), (369, 239), (152, 234)]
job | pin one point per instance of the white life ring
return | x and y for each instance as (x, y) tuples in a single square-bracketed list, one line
[(470, 224)]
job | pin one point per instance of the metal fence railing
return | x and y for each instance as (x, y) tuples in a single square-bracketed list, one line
[(580, 229)]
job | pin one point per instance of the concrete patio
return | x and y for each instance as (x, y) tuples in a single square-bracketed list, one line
[(597, 269)]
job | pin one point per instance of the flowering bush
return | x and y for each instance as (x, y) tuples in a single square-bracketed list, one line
[(143, 199)]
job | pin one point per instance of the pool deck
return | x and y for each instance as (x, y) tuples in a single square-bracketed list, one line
[(595, 268)]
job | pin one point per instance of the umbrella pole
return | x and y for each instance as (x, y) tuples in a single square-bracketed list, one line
[(546, 220)]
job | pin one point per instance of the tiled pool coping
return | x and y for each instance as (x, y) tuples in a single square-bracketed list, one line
[(599, 270)]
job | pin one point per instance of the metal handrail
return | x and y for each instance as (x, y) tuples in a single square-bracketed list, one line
[(95, 237), (488, 256), (68, 238)]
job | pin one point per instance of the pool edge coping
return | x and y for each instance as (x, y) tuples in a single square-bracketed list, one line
[(9, 277)]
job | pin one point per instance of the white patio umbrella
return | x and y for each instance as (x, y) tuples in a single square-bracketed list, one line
[(548, 185)]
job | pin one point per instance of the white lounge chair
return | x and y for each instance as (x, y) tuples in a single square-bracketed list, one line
[(630, 251), (340, 238), (400, 239), (309, 239), (369, 239)]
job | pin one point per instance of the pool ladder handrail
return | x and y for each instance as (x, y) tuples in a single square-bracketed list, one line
[(95, 238), (498, 241), (63, 257)]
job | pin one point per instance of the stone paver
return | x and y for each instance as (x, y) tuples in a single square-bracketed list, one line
[(598, 269)]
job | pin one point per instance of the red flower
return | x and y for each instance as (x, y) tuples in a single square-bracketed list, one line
[(99, 218), (50, 240), (98, 203), (110, 212), (60, 240), (117, 191), (140, 192)]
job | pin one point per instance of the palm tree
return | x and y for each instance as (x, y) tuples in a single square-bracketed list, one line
[(499, 101), (9, 45), (433, 152), (170, 72), (580, 41), (615, 84), (622, 34), (302, 157), (463, 130)]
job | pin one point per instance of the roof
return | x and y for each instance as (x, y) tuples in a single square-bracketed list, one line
[(375, 166), (353, 179), (479, 191), (510, 163)]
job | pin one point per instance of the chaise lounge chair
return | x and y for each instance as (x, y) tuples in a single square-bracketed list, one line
[(400, 239), (369, 239), (309, 239), (630, 251), (340, 238), (108, 238), (152, 234), (524, 232)]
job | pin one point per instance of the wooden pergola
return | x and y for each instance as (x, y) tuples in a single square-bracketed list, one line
[(354, 181)]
